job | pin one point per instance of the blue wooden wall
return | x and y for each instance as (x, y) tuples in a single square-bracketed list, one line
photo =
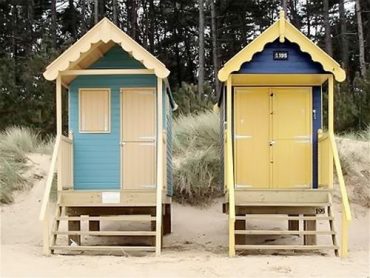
[(297, 62), (97, 156), (316, 125)]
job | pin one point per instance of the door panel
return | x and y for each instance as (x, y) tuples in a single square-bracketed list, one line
[(138, 115), (138, 133), (291, 142), (251, 134), (138, 165)]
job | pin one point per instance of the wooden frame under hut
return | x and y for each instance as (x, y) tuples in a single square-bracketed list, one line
[(114, 166), (279, 149)]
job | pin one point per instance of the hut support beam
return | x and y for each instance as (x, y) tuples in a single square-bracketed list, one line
[(59, 127), (230, 168), (59, 104), (331, 126), (159, 168)]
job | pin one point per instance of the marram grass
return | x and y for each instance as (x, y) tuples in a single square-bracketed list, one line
[(197, 153), (15, 143)]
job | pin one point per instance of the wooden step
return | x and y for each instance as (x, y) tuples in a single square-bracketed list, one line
[(283, 232), (107, 233), (285, 247), (135, 217), (282, 217), (103, 248)]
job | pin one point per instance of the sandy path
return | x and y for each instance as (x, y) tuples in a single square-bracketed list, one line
[(196, 248)]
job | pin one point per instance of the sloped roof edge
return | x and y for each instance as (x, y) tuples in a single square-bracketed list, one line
[(105, 31), (282, 28)]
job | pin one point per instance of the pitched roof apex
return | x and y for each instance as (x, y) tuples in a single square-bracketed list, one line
[(105, 31)]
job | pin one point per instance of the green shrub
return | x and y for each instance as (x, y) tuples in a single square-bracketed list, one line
[(197, 164), (189, 101)]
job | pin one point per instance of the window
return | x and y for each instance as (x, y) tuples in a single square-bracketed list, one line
[(94, 110)]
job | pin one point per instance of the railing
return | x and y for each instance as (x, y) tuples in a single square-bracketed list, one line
[(45, 205), (328, 148), (63, 154), (325, 161), (66, 164)]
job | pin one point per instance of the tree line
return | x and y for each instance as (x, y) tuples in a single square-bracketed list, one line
[(193, 38)]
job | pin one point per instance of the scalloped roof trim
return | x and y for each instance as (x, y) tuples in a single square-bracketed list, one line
[(293, 35), (105, 31)]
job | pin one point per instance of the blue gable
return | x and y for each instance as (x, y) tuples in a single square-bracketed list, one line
[(117, 58), (296, 62)]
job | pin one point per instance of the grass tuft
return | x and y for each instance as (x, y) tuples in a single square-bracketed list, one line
[(363, 135), (355, 160), (197, 165), (15, 143)]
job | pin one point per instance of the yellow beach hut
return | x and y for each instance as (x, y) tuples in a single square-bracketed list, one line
[(278, 148), (114, 161)]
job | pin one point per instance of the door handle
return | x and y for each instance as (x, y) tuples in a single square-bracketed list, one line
[(272, 143)]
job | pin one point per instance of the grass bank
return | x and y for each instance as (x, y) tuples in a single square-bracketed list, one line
[(15, 143)]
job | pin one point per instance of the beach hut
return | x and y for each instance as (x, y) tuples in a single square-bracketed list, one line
[(113, 156), (277, 111)]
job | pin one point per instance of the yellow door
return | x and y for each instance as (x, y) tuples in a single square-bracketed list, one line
[(291, 137), (251, 135), (138, 145)]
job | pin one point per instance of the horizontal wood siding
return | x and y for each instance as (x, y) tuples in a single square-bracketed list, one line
[(168, 118), (117, 58), (297, 62), (97, 156)]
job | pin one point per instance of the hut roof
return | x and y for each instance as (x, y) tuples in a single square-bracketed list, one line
[(282, 29), (95, 43)]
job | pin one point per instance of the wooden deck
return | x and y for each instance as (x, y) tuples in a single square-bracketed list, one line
[(123, 198), (302, 209)]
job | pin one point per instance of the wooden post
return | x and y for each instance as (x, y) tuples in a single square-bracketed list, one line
[(159, 168), (309, 225), (59, 104), (59, 128), (346, 212), (230, 170), (331, 127), (344, 237), (46, 237)]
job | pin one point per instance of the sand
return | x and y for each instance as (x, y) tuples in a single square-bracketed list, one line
[(196, 248)]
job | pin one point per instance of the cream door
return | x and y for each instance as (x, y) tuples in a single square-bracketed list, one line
[(251, 135), (138, 133), (291, 138)]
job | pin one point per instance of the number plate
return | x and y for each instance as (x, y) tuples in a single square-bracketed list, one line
[(280, 55)]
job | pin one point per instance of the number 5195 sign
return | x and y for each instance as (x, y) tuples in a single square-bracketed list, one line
[(280, 55)]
